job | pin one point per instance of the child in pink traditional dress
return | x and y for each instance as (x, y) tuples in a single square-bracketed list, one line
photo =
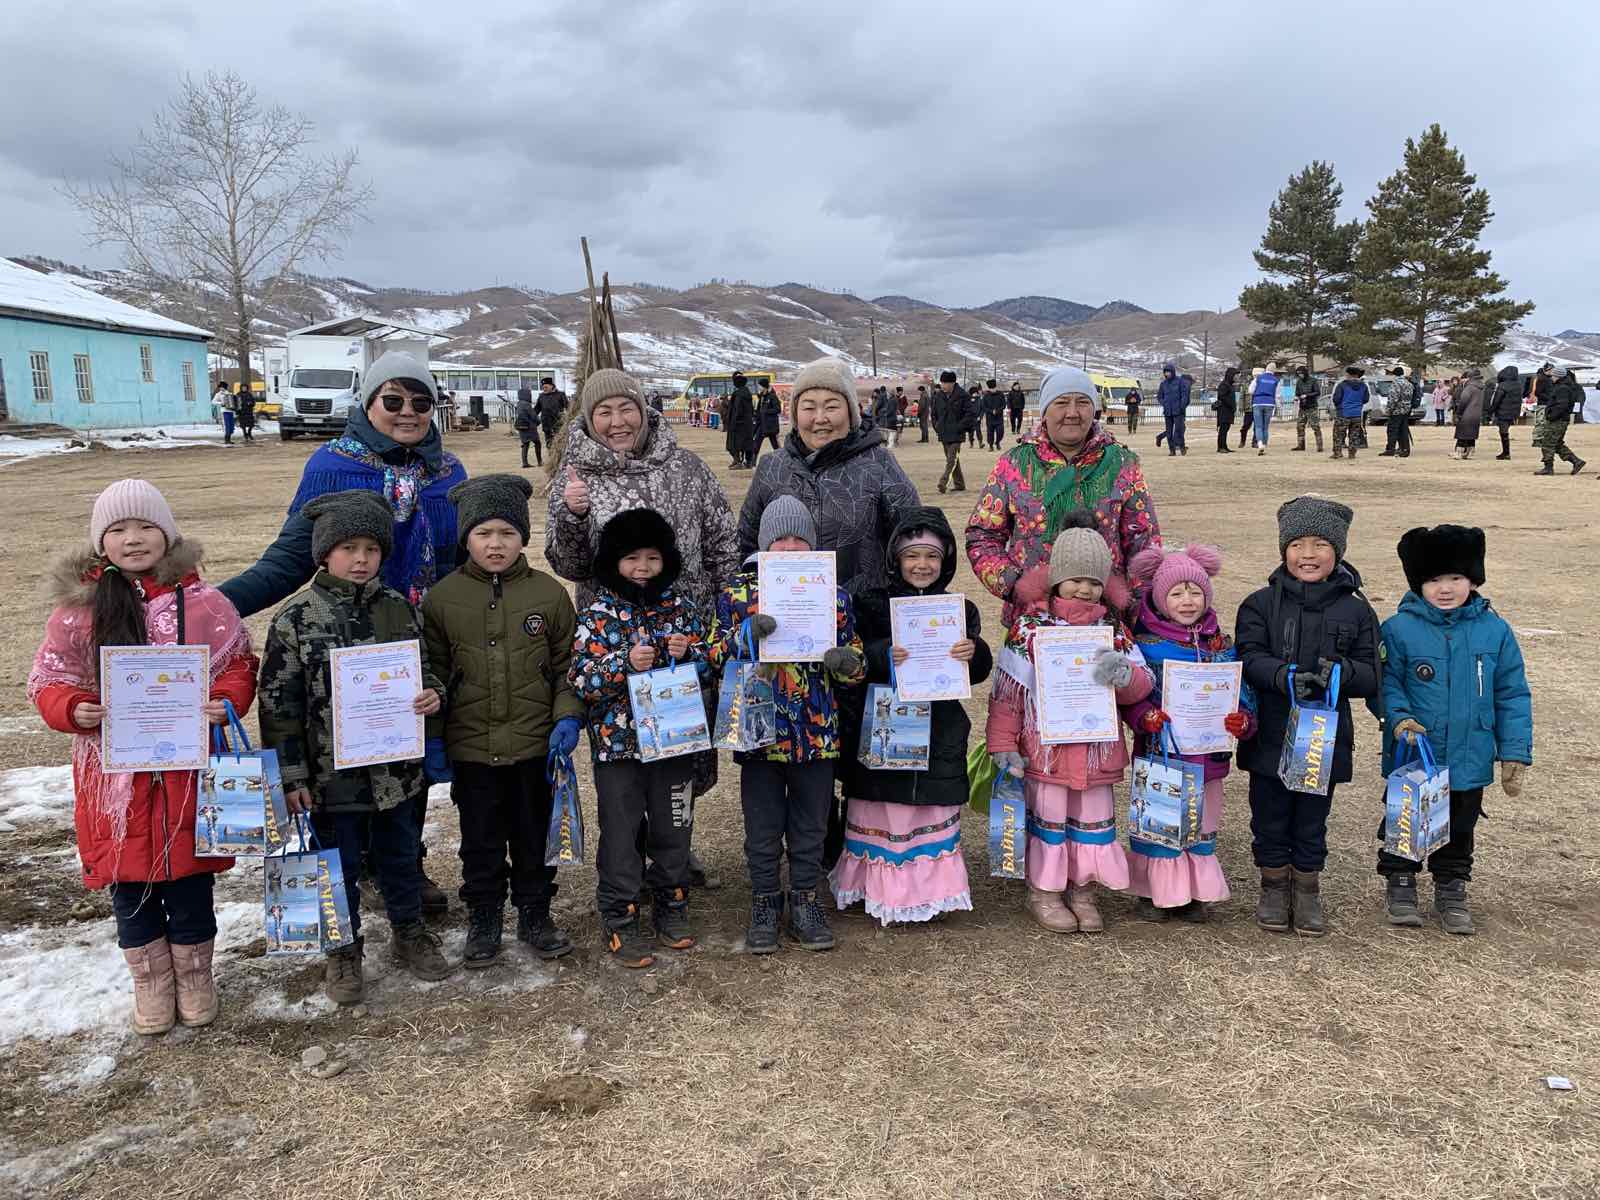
[(1176, 622), (1072, 826), (137, 583)]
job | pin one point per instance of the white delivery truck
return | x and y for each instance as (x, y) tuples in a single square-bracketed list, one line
[(324, 365)]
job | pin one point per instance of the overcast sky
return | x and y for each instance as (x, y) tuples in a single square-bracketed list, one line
[(953, 151)]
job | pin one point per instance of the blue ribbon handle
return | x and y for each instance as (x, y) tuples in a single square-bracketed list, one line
[(1333, 686), (553, 762)]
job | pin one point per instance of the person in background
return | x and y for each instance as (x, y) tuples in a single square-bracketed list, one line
[(1441, 400), (1505, 406), (975, 399), (1225, 404), (1263, 403), (953, 418), (886, 416), (1017, 404), (550, 406), (1135, 407), (1469, 413), (1397, 408), (245, 404), (994, 415), (924, 410), (1349, 411), (740, 423), (525, 422), (1550, 436), (1308, 394), (228, 407), (769, 410), (1173, 396)]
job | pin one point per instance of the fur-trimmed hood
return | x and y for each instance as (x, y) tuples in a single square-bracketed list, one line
[(71, 580)]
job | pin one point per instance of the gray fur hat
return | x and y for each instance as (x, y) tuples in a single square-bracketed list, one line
[(1314, 516), (786, 516), (492, 498), (339, 516)]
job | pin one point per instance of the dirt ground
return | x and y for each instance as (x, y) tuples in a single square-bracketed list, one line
[(979, 1056)]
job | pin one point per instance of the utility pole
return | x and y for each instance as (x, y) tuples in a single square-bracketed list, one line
[(872, 329), (1086, 356), (1205, 370)]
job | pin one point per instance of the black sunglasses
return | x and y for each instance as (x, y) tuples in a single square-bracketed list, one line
[(421, 405)]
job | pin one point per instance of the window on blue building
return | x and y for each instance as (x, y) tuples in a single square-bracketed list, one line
[(39, 361), (147, 364), (84, 374), (188, 382)]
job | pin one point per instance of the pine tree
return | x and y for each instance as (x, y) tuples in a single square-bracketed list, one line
[(1423, 288), (1307, 255)]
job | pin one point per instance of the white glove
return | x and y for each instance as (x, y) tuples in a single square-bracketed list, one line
[(1113, 668), (1009, 762)]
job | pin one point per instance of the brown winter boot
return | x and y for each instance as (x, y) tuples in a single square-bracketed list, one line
[(1046, 908), (1272, 910), (197, 990), (1308, 916), (154, 1010), (1080, 900)]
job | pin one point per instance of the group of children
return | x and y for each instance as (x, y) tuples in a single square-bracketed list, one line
[(513, 673)]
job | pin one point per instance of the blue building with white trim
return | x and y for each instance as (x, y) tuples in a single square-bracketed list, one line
[(70, 356)]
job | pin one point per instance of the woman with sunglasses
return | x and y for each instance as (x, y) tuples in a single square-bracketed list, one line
[(390, 446)]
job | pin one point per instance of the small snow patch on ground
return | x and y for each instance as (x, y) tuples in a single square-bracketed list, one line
[(35, 796)]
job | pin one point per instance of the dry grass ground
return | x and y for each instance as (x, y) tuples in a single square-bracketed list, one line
[(981, 1056)]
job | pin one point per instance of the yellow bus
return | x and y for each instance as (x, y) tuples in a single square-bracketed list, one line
[(702, 396)]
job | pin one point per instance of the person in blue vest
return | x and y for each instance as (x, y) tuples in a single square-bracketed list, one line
[(1452, 671), (1173, 396), (390, 446), (1263, 402)]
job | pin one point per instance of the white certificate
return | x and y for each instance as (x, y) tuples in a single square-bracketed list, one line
[(926, 627), (799, 590), (1069, 705), (374, 691), (1199, 697), (154, 698)]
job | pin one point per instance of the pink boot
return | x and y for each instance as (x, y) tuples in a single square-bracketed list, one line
[(1046, 908), (197, 990), (151, 968), (1080, 900)]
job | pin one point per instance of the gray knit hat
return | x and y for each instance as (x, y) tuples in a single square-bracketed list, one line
[(1314, 516), (785, 516), (397, 364), (339, 516), (832, 375), (1080, 551), (490, 498), (605, 384), (1068, 381)]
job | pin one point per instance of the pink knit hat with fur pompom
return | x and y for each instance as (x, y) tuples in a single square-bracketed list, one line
[(1165, 569)]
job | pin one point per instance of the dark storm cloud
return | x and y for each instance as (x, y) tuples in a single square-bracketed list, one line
[(951, 151)]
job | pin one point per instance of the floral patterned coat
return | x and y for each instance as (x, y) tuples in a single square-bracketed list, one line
[(1032, 487), (607, 630), (807, 710)]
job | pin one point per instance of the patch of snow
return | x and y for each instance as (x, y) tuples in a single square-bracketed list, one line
[(627, 301), (56, 296), (35, 796), (432, 320), (156, 437), (811, 312), (566, 337), (174, 1139)]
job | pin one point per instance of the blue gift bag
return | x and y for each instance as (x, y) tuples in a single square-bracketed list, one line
[(895, 733), (241, 808), (1008, 827), (304, 907), (563, 843), (1416, 819), (1165, 798), (1306, 764), (669, 712), (747, 714)]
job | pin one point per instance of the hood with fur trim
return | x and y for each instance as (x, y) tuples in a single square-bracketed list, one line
[(72, 578), (630, 530)]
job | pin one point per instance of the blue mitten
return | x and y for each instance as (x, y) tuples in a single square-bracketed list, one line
[(435, 762), (564, 737)]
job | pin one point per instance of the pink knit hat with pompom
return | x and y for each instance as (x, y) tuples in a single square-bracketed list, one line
[(1165, 569)]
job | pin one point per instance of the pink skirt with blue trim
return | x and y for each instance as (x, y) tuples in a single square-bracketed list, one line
[(903, 861)]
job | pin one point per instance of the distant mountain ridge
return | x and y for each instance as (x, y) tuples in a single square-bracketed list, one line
[(668, 334)]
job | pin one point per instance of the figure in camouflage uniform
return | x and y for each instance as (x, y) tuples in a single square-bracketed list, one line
[(1349, 407), (1308, 392), (364, 812), (1550, 424)]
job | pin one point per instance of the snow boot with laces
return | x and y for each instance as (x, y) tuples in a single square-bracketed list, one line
[(808, 924), (534, 926), (766, 913), (1401, 896), (342, 980), (625, 942), (671, 920), (485, 928), (1450, 902), (419, 950), (154, 987)]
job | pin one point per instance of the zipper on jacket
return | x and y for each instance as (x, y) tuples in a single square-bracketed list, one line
[(1480, 677), (166, 824), (497, 594)]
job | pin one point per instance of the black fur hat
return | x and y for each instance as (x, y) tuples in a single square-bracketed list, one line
[(1443, 550), (630, 530)]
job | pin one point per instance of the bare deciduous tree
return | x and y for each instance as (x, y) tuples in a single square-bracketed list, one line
[(223, 192)]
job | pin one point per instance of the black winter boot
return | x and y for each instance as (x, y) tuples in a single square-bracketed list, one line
[(766, 912), (808, 924), (535, 927), (1308, 915), (671, 920), (1549, 467), (484, 931), (1450, 902), (1401, 895), (1272, 910), (626, 943)]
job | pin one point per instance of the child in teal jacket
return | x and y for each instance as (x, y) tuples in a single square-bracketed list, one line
[(1452, 670)]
